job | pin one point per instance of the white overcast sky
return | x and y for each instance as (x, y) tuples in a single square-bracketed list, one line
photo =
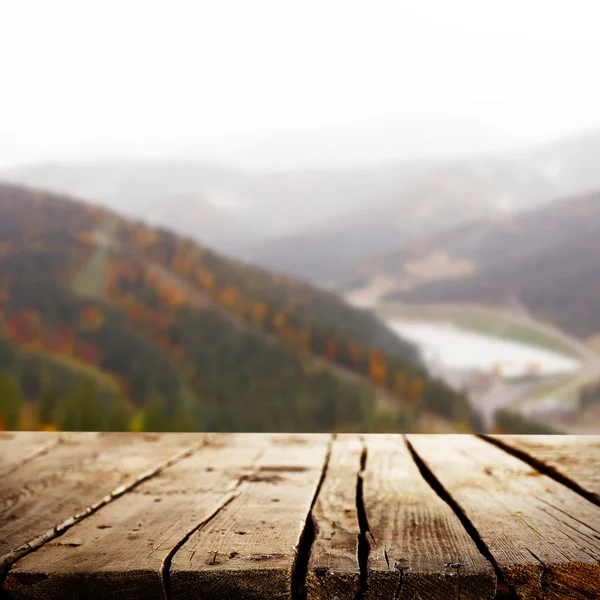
[(268, 82)]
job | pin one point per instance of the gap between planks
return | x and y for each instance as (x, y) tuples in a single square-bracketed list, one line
[(307, 535), (503, 589), (229, 498), (540, 532), (543, 467), (350, 574), (259, 471)]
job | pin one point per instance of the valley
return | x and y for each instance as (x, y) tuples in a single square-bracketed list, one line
[(504, 360)]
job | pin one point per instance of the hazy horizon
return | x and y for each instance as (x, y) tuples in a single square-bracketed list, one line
[(296, 154), (271, 85)]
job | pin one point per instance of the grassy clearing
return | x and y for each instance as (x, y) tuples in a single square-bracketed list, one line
[(492, 326), (91, 280), (543, 391), (515, 333)]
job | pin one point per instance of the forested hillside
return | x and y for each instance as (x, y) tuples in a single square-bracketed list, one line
[(107, 323)]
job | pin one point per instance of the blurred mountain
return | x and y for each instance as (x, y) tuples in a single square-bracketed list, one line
[(189, 197), (571, 164), (318, 224), (547, 260), (395, 211)]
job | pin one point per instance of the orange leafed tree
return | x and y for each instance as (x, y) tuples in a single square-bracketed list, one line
[(354, 354), (91, 317), (304, 339), (205, 278), (400, 382), (415, 390), (377, 367), (279, 320), (89, 353), (48, 427), (229, 296), (259, 312), (330, 349)]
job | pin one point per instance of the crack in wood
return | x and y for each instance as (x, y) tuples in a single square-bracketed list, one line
[(542, 467), (544, 571), (363, 546), (503, 589), (307, 537), (59, 529), (165, 569), (60, 439)]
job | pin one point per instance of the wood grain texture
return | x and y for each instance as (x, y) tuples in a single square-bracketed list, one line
[(121, 550), (418, 546), (248, 549), (574, 457), (63, 485), (17, 448), (333, 568), (544, 537), (181, 516)]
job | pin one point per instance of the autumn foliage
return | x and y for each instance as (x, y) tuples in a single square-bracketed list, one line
[(216, 343)]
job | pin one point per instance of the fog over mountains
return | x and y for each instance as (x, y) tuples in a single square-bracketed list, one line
[(319, 223)]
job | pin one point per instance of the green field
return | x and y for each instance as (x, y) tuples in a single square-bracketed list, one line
[(543, 391)]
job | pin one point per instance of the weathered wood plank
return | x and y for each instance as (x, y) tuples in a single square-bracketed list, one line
[(418, 546), (574, 457), (122, 550), (65, 484), (247, 551), (544, 537), (333, 567), (17, 448)]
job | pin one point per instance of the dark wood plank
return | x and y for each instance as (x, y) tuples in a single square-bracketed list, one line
[(333, 567), (48, 494), (248, 549), (544, 537), (574, 457), (418, 546), (19, 447), (123, 549)]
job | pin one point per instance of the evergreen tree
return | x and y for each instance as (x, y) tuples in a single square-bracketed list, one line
[(80, 410), (10, 402), (155, 416), (7, 355), (67, 413), (47, 405), (119, 414), (90, 407)]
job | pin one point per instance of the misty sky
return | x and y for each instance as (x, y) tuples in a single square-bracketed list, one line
[(273, 82)]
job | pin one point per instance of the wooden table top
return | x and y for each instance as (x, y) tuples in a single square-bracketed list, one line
[(254, 516)]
